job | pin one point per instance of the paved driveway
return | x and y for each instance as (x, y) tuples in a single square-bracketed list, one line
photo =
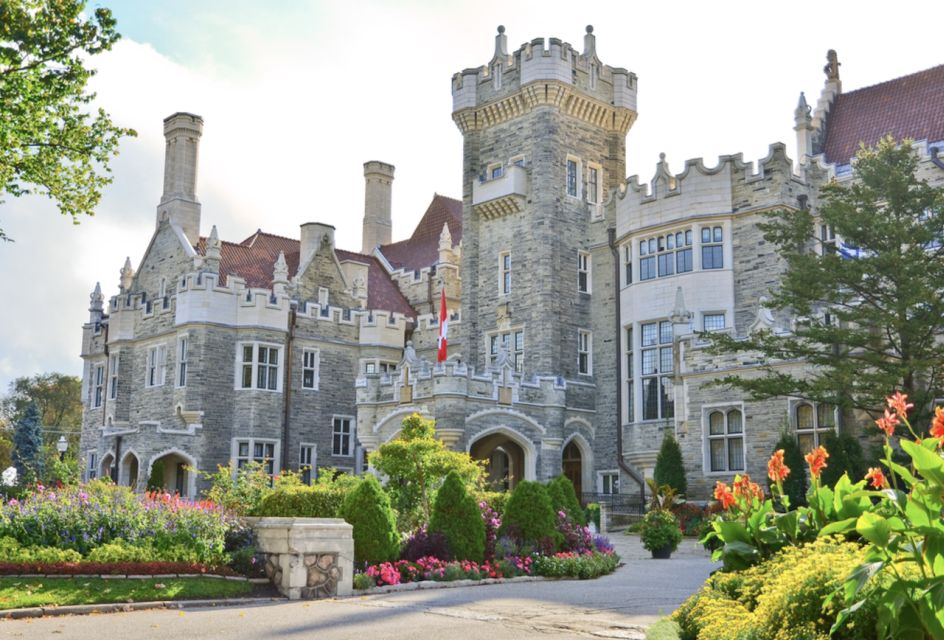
[(620, 605)]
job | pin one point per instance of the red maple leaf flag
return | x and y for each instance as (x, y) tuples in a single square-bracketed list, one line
[(443, 328)]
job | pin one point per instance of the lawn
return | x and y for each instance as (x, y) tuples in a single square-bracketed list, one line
[(35, 592)]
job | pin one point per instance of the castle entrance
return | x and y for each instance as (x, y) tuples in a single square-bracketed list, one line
[(172, 473), (572, 465), (504, 461)]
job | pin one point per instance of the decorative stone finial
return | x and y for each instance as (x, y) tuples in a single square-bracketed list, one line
[(590, 43), (501, 44), (832, 65), (680, 315), (589, 28), (127, 275), (213, 251), (501, 28), (280, 270), (802, 112), (445, 239), (96, 299)]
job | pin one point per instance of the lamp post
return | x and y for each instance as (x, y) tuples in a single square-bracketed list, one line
[(61, 447)]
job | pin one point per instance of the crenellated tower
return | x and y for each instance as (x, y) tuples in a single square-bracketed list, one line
[(544, 133)]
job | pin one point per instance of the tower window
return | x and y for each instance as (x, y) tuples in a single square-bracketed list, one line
[(584, 354), (725, 440), (310, 363), (583, 272), (504, 270), (658, 399), (572, 177), (593, 185), (712, 251)]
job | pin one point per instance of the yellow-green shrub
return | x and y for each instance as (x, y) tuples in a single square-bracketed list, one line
[(304, 502)]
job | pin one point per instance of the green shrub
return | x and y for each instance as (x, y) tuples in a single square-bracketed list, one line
[(669, 468), (529, 516), (845, 456), (156, 479), (659, 529), (564, 498), (318, 501), (367, 509), (457, 516), (794, 487), (120, 551), (363, 581), (497, 500), (570, 565), (239, 491), (12, 551)]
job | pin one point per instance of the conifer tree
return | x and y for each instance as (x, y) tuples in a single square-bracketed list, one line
[(669, 468), (564, 498), (457, 516), (28, 445), (367, 509)]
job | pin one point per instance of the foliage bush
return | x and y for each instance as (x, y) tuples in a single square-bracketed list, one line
[(423, 544), (316, 501), (564, 498), (497, 500), (458, 517), (120, 551), (845, 457), (794, 485), (529, 517), (785, 597), (12, 551), (492, 522), (367, 509), (659, 529), (238, 491), (85, 517), (669, 468), (590, 564)]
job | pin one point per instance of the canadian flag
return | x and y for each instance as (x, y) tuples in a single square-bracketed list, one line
[(443, 328)]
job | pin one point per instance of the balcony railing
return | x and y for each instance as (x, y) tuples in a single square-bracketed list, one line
[(501, 196)]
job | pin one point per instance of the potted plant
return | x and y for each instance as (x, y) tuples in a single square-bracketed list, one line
[(660, 533)]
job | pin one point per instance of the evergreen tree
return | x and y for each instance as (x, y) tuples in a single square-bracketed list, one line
[(669, 468), (28, 445), (529, 516), (457, 516), (845, 456), (794, 487), (564, 498), (869, 307), (367, 509)]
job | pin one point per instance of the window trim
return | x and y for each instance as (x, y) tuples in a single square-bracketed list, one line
[(725, 408), (114, 362), (504, 274), (706, 314), (594, 199), (516, 354), (98, 385), (490, 171), (254, 380), (183, 353), (577, 178), (352, 425), (607, 472), (312, 462), (585, 350), (315, 368), (817, 431), (585, 268), (252, 441), (158, 353), (91, 465), (627, 255), (711, 228), (629, 371), (658, 347)]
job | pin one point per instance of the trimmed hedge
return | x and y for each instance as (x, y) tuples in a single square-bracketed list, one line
[(368, 510), (564, 498), (457, 516), (305, 502), (529, 517)]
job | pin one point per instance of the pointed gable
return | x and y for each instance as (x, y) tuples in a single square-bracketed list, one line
[(421, 250)]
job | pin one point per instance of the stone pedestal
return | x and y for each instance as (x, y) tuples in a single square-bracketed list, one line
[(308, 558)]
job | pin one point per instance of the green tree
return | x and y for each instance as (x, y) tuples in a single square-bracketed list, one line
[(845, 456), (794, 487), (669, 468), (416, 463), (529, 516), (49, 143), (457, 516), (869, 319), (367, 509), (564, 498), (28, 445)]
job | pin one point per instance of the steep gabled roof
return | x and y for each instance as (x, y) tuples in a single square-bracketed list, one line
[(253, 260), (908, 107), (421, 250)]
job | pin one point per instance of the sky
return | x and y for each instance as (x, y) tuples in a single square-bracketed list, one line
[(297, 95)]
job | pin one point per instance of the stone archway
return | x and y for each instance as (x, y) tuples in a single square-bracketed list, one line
[(128, 470), (509, 457), (105, 467), (173, 471), (572, 467)]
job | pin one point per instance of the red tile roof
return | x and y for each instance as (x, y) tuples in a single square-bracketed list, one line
[(421, 250), (908, 107), (253, 260)]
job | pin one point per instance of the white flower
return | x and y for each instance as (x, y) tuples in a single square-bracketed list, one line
[(9, 476)]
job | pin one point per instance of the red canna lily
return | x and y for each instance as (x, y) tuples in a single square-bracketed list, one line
[(817, 461), (723, 495), (776, 469), (899, 402), (888, 423), (877, 477), (937, 425)]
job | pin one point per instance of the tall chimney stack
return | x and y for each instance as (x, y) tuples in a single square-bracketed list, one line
[(378, 190), (179, 202)]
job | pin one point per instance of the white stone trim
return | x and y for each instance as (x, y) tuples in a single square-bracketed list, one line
[(506, 412)]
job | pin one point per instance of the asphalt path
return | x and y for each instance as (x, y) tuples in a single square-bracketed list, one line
[(620, 605)]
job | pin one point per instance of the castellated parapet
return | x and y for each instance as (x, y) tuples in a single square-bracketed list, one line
[(550, 73)]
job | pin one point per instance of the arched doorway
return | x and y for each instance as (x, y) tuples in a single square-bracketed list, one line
[(128, 471), (173, 472), (105, 469), (572, 465), (505, 460)]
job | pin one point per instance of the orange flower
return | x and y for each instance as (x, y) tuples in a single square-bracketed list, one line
[(723, 495), (776, 469), (937, 425), (744, 488), (817, 461), (888, 423), (877, 477), (899, 402)]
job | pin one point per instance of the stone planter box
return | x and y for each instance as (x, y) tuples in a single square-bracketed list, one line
[(307, 558)]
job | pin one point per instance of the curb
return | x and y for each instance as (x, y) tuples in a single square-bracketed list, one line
[(440, 584), (115, 607)]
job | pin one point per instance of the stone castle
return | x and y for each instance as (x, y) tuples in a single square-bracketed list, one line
[(573, 297)]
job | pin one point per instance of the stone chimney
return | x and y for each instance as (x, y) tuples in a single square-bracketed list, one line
[(179, 202), (313, 236), (378, 193)]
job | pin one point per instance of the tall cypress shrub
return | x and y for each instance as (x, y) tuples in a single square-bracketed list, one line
[(457, 516), (529, 516), (564, 498), (28, 445), (669, 468), (367, 509)]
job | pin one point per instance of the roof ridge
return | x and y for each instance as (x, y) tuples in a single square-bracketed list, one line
[(887, 82)]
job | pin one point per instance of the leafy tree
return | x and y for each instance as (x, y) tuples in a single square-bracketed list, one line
[(457, 516), (367, 509), (794, 486), (870, 311), (564, 498), (28, 445), (50, 144), (669, 468), (416, 463)]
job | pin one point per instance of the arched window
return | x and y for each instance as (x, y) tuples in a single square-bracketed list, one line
[(726, 440), (812, 423)]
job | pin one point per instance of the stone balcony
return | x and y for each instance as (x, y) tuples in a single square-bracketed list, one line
[(501, 196)]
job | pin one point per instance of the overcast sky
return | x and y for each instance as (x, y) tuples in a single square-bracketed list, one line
[(295, 96)]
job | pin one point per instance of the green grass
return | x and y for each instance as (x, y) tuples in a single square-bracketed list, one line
[(35, 592), (664, 629)]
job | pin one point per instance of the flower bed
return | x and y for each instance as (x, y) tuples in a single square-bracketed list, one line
[(431, 568), (586, 565)]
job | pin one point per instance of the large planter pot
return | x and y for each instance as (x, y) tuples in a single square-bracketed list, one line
[(662, 553)]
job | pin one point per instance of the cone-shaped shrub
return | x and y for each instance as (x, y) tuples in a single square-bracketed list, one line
[(669, 469), (457, 516), (368, 510), (564, 498), (529, 516)]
